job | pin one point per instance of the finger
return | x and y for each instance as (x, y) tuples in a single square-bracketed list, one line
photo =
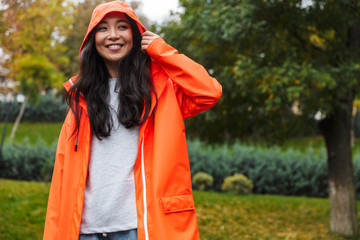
[(146, 39), (147, 33), (143, 48), (146, 42), (150, 34)]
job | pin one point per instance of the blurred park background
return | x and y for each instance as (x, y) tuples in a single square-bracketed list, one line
[(277, 158)]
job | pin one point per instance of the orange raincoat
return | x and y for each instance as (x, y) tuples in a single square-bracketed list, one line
[(165, 206)]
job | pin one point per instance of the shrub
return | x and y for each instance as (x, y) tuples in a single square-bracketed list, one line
[(237, 183), (26, 162), (50, 108), (214, 161), (202, 181), (271, 170), (47, 169)]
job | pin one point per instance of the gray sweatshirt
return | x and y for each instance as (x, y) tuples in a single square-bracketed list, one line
[(109, 202)]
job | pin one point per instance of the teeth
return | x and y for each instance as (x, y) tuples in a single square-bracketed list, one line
[(114, 46)]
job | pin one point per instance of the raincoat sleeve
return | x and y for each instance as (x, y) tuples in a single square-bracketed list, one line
[(196, 91), (53, 209)]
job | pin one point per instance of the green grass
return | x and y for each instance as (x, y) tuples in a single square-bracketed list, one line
[(49, 132), (32, 132), (22, 209), (220, 216), (225, 216)]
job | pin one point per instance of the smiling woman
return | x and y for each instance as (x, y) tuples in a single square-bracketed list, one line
[(126, 122)]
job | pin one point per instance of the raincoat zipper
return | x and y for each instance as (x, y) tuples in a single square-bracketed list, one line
[(144, 188)]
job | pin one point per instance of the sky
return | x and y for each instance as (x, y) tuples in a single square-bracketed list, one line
[(158, 10)]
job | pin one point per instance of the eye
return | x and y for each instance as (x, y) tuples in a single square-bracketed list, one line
[(101, 28), (123, 27)]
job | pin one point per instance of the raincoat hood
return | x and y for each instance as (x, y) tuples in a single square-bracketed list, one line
[(103, 9)]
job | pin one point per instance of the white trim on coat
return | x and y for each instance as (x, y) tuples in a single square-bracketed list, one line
[(144, 189)]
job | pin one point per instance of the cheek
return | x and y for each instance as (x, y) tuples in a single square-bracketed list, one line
[(130, 38), (98, 40)]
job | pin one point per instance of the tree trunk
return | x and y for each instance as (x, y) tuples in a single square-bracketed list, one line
[(336, 130), (18, 119)]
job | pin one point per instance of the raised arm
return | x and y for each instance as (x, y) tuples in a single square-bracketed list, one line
[(196, 91)]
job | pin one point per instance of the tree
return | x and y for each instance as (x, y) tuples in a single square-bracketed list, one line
[(33, 71), (280, 63), (33, 33)]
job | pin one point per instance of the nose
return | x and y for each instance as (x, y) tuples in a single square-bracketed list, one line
[(113, 34)]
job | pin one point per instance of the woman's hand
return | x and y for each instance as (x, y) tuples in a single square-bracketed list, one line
[(147, 38)]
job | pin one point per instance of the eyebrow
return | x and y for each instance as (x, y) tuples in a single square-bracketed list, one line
[(118, 21)]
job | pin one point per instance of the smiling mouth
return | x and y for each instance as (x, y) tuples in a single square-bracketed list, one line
[(113, 46)]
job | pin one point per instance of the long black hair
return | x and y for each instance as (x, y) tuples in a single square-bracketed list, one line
[(93, 83)]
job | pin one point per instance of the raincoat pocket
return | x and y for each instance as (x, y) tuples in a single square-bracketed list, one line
[(178, 203)]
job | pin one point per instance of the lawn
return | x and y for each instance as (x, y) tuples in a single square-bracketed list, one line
[(49, 132), (220, 216), (224, 216), (32, 132)]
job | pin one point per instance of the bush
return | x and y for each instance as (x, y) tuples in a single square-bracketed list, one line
[(47, 169), (202, 181), (26, 162), (50, 108), (237, 183), (271, 170)]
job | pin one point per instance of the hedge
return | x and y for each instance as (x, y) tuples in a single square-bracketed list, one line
[(27, 162), (271, 170), (50, 108)]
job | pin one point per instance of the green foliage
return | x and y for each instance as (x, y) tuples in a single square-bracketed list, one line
[(33, 39), (47, 170), (300, 172), (202, 181), (28, 29), (237, 183), (271, 170), (35, 73), (27, 162), (50, 108), (270, 56), (83, 11), (357, 124)]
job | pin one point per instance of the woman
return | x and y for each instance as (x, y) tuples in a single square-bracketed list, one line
[(121, 168)]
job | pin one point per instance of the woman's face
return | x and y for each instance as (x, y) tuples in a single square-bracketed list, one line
[(113, 38)]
